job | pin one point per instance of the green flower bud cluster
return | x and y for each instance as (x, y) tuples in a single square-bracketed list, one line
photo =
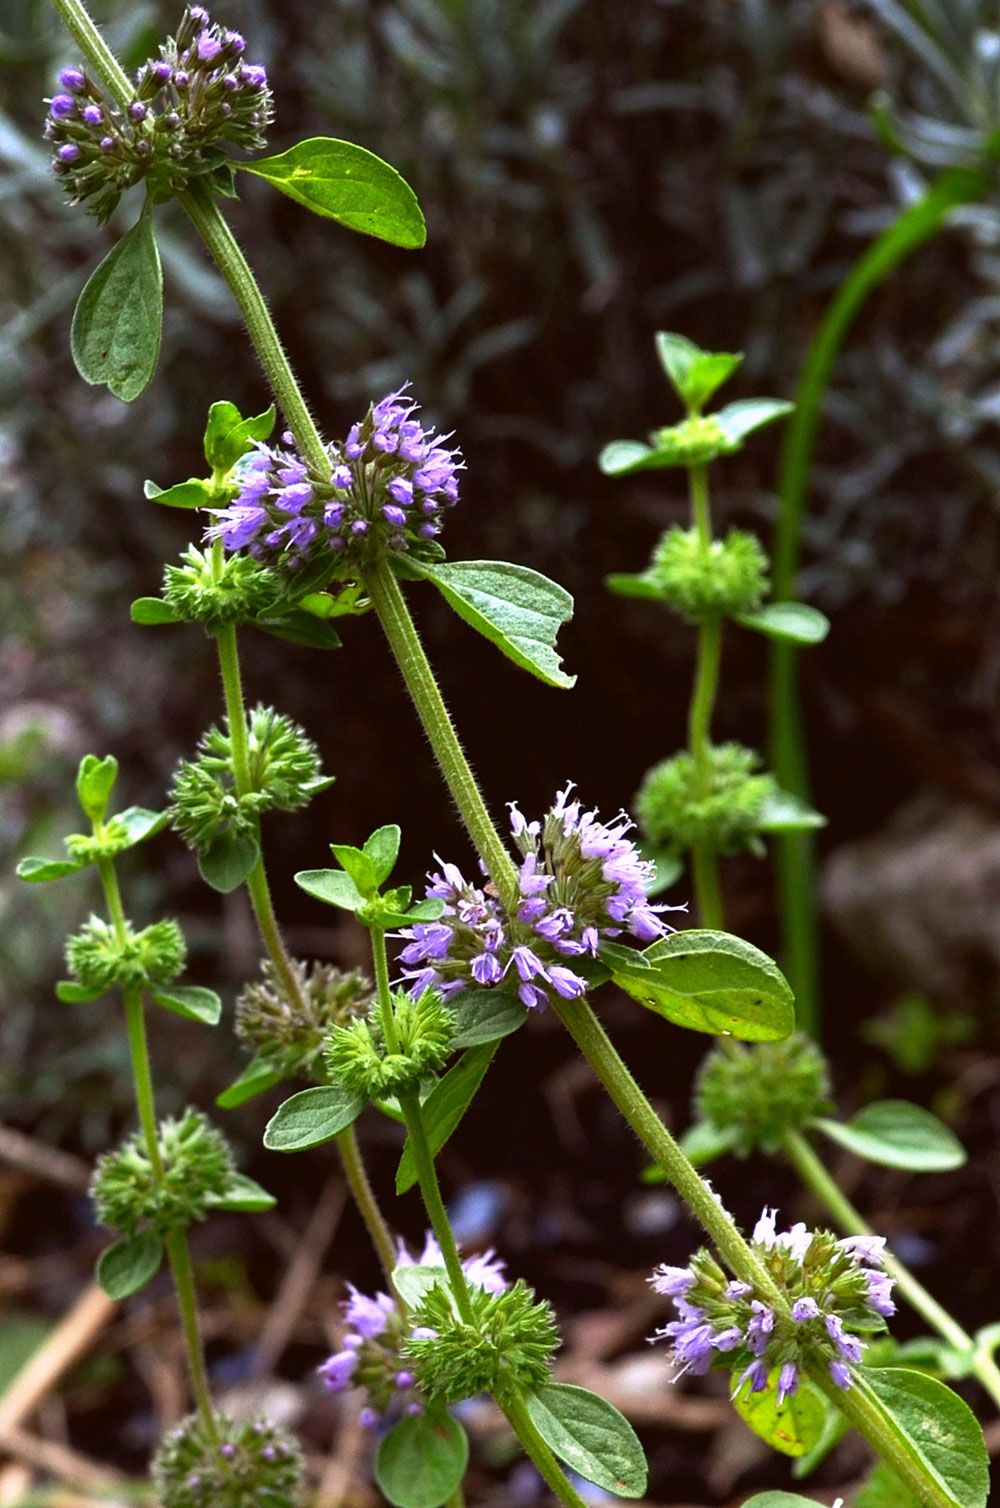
[(99, 960), (674, 812), (284, 774), (196, 1170), (764, 1091), (508, 1346), (357, 1057), (693, 441), (251, 1464), (703, 579), (216, 590), (293, 1030)]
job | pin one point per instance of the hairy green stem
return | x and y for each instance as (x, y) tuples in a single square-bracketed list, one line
[(364, 1197), (817, 1179), (187, 1299), (862, 1409), (704, 859), (796, 851), (82, 28), (539, 1451), (399, 629)]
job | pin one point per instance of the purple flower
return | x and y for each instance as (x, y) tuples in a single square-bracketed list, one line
[(93, 115), (62, 106), (208, 47), (850, 1348), (674, 1282), (72, 79), (338, 1370), (840, 1374), (880, 1287), (788, 1381), (805, 1309), (756, 1375), (70, 152)]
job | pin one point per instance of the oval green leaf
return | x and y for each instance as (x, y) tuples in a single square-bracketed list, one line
[(793, 1428), (591, 1436), (713, 982), (897, 1134), (301, 628), (741, 418), (703, 1142), (779, 1500), (37, 871), (383, 850), (485, 1016), (151, 612), (784, 813), (260, 1074), (332, 886), (95, 780), (936, 1427), (228, 436), (422, 1460), (228, 862), (794, 621), (346, 183), (71, 993), (643, 587), (517, 609), (194, 493), (444, 1107), (118, 321), (883, 1489), (414, 1283), (312, 1117), (129, 1265), (191, 1001), (140, 823), (243, 1196)]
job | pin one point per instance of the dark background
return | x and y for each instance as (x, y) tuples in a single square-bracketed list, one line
[(591, 172)]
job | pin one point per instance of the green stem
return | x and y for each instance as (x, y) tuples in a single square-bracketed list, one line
[(704, 859), (399, 628), (112, 896), (817, 1179), (364, 1197), (430, 1189), (211, 225), (383, 993), (85, 34), (540, 1453), (862, 1409), (135, 1020), (796, 852), (180, 1266)]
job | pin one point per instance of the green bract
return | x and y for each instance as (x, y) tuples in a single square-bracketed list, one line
[(507, 1346), (99, 959), (286, 1032), (760, 1093), (130, 1195), (243, 1464), (677, 807), (357, 1057)]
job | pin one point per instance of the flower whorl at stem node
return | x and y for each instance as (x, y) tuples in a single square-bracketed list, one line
[(252, 1463), (703, 579), (508, 1346), (580, 881), (284, 770), (357, 1056), (763, 1091), (130, 1194), (100, 960), (294, 1029), (832, 1287), (235, 591), (195, 96), (388, 486), (675, 812)]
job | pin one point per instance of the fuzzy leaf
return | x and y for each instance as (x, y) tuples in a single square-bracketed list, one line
[(383, 850), (129, 1265), (422, 1460), (332, 886), (935, 1425), (591, 1436), (118, 321), (346, 183), (794, 1427), (259, 1074), (190, 1001), (779, 1500), (883, 1489), (622, 457), (486, 1016), (713, 982), (71, 993), (642, 586), (445, 1105), (794, 621), (228, 436), (517, 609), (358, 866), (95, 780), (301, 628), (194, 493), (694, 373), (37, 871), (151, 612), (228, 862), (415, 1282), (741, 418), (140, 823), (243, 1196), (897, 1134), (784, 813), (311, 1117)]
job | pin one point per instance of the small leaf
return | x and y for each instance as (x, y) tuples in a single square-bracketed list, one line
[(190, 1001), (485, 1016), (883, 1489), (228, 436), (935, 1425), (140, 823), (37, 871), (427, 910), (152, 612), (311, 1117), (346, 183), (95, 781), (703, 1142), (383, 850), (118, 321), (259, 1074), (71, 993), (591, 1436), (641, 586), (194, 493), (444, 1107), (794, 621), (332, 886), (897, 1134), (422, 1460), (622, 457), (779, 1500), (793, 1428), (694, 373), (741, 418), (129, 1265), (228, 862), (301, 628), (784, 813), (243, 1196), (517, 609), (415, 1282), (358, 866), (713, 982), (621, 958)]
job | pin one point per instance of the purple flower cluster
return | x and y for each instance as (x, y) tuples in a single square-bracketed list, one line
[(197, 94), (580, 881), (375, 1332), (389, 485), (833, 1288)]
